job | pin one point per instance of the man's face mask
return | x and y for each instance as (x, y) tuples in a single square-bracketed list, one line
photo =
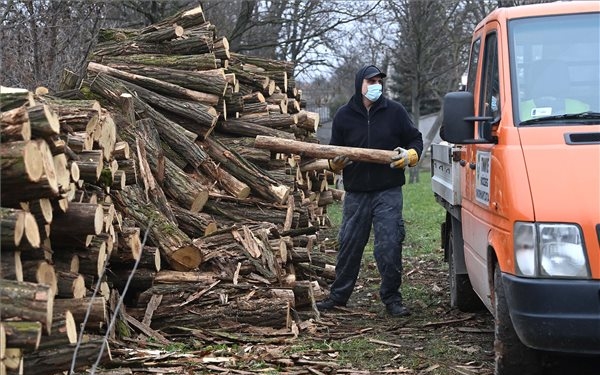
[(374, 92)]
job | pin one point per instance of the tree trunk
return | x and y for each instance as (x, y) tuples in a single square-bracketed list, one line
[(78, 307), (11, 97)]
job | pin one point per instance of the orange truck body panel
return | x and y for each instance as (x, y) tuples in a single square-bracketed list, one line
[(528, 168)]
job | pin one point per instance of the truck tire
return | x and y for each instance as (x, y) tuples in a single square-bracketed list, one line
[(462, 295), (512, 357)]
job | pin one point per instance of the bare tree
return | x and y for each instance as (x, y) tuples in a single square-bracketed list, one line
[(303, 31)]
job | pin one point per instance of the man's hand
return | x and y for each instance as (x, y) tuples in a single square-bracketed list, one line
[(404, 158), (338, 163)]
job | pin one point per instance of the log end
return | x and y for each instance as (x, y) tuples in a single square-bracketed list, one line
[(186, 258)]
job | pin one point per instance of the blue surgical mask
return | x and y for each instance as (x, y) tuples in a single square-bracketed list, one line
[(373, 92)]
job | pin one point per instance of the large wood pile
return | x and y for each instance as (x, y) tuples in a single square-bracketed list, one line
[(156, 139)]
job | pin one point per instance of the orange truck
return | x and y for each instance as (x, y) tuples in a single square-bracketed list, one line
[(519, 178)]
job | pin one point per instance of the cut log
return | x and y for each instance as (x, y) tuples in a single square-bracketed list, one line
[(261, 183), (194, 224), (174, 244), (271, 312), (15, 125), (20, 162), (81, 219), (64, 331), (248, 129), (187, 18), (206, 61), (44, 121), (11, 267), (160, 34), (98, 315), (324, 151), (225, 180), (40, 272), (157, 85), (70, 285), (207, 81), (59, 358), (12, 97), (23, 335), (26, 302)]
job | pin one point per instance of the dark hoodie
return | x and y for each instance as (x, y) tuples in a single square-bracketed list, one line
[(385, 126)]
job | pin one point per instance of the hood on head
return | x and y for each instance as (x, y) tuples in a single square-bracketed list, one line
[(367, 71)]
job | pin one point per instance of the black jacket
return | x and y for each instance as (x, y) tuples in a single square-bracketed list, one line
[(385, 126)]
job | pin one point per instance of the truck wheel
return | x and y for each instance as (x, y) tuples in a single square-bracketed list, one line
[(511, 356), (462, 295)]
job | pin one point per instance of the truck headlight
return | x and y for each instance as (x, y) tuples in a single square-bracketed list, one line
[(549, 250)]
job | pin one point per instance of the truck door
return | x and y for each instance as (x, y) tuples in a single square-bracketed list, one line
[(477, 218)]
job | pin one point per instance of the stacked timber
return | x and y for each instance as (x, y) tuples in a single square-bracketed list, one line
[(56, 235), (156, 141)]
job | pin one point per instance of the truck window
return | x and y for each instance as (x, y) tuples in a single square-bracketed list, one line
[(489, 103), (554, 70), (473, 66)]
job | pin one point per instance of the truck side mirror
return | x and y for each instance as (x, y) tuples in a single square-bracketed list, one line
[(458, 119)]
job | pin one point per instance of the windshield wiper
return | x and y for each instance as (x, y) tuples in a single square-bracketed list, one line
[(589, 115)]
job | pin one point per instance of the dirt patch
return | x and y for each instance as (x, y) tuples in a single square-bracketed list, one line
[(434, 339)]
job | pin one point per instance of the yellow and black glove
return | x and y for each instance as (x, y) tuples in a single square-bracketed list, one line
[(338, 163), (405, 158)]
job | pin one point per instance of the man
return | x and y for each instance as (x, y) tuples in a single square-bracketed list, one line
[(373, 191)]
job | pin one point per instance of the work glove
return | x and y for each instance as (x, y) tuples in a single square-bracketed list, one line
[(338, 163), (405, 158)]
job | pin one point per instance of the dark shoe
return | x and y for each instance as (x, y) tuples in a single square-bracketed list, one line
[(328, 304), (397, 309)]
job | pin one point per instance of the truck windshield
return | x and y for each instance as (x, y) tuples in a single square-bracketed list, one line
[(555, 69)]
